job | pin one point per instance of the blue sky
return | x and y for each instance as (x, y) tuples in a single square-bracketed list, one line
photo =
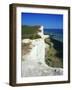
[(50, 21)]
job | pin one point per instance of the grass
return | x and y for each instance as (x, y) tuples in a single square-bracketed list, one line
[(54, 55), (30, 32)]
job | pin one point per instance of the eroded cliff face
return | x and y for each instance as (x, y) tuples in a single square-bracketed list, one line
[(33, 58)]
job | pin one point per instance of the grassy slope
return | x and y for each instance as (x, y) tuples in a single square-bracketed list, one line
[(54, 55), (30, 32)]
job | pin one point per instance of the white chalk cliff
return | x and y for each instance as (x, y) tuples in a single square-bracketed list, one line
[(33, 63)]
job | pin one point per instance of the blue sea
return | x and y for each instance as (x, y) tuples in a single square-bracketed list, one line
[(55, 33)]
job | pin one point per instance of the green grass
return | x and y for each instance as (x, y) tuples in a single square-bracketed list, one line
[(30, 32)]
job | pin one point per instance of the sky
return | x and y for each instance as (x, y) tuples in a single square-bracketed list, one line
[(49, 21)]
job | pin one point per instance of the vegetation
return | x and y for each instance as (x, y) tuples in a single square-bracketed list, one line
[(54, 55), (30, 32)]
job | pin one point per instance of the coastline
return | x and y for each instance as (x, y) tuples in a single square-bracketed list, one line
[(57, 34), (40, 54)]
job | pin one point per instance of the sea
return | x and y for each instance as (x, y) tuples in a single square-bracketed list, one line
[(55, 33)]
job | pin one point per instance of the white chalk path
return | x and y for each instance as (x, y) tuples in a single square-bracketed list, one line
[(33, 63), (31, 68)]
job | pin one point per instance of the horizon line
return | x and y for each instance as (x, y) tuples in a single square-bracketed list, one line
[(42, 25)]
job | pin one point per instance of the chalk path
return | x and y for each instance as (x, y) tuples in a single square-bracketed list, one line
[(33, 65)]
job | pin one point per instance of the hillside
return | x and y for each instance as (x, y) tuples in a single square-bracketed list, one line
[(30, 32), (54, 55)]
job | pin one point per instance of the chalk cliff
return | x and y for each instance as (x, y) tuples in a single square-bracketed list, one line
[(33, 62)]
